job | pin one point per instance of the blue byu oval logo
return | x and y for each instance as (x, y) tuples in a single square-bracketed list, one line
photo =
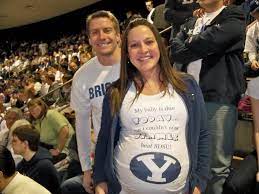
[(155, 167)]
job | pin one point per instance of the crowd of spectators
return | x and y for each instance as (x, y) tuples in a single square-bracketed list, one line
[(35, 86), (31, 69)]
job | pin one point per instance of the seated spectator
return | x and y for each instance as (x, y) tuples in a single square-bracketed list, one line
[(65, 91), (12, 182), (50, 85), (37, 162), (14, 118), (55, 130), (73, 67), (84, 57)]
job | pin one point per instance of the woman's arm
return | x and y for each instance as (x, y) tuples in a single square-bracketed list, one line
[(102, 146), (63, 136), (202, 171)]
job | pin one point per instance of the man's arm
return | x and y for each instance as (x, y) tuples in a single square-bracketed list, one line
[(201, 174), (180, 53), (215, 39), (83, 135), (80, 102)]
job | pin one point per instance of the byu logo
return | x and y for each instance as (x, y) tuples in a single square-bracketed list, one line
[(154, 167)]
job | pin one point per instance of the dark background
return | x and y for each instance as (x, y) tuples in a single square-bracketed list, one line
[(73, 22)]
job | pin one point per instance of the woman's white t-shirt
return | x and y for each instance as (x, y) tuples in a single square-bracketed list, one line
[(151, 155)]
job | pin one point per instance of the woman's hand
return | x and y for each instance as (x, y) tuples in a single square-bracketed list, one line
[(101, 188), (196, 191)]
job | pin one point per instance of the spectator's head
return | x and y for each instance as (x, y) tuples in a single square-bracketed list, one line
[(75, 59), (103, 32), (37, 108), (73, 66), (7, 167), (25, 138), (65, 79), (12, 115), (149, 5), (84, 57), (50, 78), (254, 8)]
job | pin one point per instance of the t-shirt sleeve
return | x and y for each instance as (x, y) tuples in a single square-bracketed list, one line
[(79, 100), (56, 120)]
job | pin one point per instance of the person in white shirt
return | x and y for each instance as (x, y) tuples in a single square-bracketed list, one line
[(151, 9), (88, 88), (13, 118)]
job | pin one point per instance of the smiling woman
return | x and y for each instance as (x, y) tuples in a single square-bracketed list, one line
[(150, 94)]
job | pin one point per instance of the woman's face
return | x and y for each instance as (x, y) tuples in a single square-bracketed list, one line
[(143, 49), (35, 111)]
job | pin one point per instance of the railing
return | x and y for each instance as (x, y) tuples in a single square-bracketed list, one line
[(165, 30), (50, 92), (61, 86)]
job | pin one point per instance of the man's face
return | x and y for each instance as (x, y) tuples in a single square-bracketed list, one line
[(103, 37), (84, 58), (10, 118), (18, 145), (73, 66), (149, 5)]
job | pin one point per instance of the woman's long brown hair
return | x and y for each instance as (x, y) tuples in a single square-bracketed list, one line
[(130, 73)]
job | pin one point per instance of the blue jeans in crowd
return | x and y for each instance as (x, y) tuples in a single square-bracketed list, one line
[(222, 120)]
